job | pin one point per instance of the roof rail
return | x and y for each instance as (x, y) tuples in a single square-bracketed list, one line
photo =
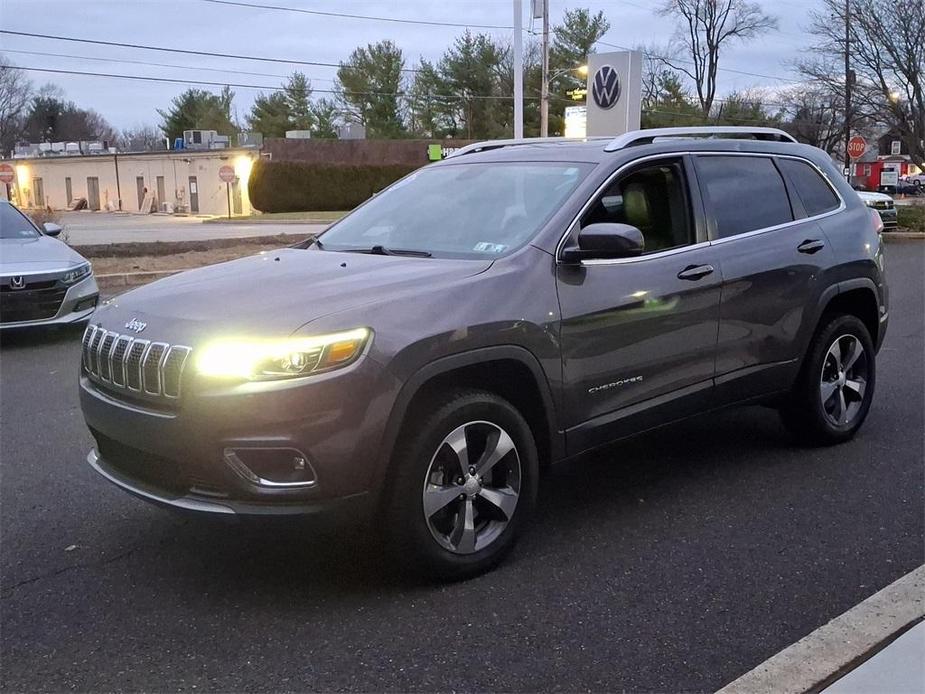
[(486, 145), (643, 137)]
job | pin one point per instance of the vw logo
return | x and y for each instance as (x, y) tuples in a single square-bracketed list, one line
[(17, 282), (605, 88), (135, 325)]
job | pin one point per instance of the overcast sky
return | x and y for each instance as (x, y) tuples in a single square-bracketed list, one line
[(200, 25)]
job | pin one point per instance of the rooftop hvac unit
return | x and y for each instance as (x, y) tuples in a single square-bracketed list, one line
[(298, 134)]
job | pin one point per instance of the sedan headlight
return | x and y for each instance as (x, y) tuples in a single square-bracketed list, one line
[(77, 274), (292, 357)]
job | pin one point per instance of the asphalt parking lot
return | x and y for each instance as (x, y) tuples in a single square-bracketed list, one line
[(676, 561)]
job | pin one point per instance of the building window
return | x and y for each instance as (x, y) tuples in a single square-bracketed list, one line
[(867, 169), (895, 147)]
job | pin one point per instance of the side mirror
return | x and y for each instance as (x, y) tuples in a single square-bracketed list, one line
[(51, 229), (605, 240)]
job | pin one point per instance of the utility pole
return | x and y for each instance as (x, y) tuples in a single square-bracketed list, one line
[(544, 94), (518, 70), (849, 78)]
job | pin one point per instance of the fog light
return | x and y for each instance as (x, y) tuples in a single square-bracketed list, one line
[(271, 467)]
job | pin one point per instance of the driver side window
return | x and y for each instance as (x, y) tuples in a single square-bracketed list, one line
[(653, 198)]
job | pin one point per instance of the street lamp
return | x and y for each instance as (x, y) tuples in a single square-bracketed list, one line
[(544, 103)]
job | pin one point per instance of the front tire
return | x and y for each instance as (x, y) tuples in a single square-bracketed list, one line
[(834, 391), (465, 482)]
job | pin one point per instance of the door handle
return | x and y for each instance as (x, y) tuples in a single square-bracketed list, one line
[(811, 246), (695, 272)]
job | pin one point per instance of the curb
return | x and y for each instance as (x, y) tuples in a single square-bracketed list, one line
[(903, 235), (309, 222), (833, 649), (132, 279)]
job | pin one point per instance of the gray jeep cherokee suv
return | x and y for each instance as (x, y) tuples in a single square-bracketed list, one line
[(518, 303)]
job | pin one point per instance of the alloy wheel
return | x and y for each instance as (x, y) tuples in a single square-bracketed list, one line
[(472, 487), (843, 383)]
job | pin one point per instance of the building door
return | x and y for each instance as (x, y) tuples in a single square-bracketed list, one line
[(68, 192), (38, 192), (236, 196), (93, 192), (161, 193), (140, 187), (193, 195)]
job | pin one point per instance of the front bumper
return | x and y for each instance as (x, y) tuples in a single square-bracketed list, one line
[(184, 456), (78, 305), (888, 217), (198, 504)]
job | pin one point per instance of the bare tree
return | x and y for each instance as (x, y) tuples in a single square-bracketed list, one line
[(704, 27), (885, 40), (813, 115), (141, 138), (15, 95)]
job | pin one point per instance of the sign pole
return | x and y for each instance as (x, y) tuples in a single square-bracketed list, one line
[(228, 193), (518, 71)]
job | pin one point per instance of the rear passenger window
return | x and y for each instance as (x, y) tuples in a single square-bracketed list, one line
[(744, 193), (817, 195)]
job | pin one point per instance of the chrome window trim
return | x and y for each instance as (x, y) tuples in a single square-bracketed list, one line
[(701, 244), (141, 360), (160, 365)]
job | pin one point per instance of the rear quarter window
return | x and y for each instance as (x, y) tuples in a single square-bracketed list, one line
[(745, 193), (815, 192)]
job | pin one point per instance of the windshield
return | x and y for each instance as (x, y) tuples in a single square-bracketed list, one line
[(461, 211), (13, 225)]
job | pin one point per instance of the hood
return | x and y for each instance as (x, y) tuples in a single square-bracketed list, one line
[(40, 254), (275, 293)]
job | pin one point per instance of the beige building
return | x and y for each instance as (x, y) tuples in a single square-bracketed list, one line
[(172, 181)]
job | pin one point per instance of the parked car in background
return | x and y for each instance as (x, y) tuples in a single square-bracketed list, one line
[(906, 187), (883, 204), (916, 180), (516, 304), (42, 280)]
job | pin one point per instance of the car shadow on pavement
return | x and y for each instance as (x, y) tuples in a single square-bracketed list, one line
[(28, 337), (579, 499)]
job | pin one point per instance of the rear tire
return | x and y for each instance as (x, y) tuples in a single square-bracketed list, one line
[(465, 477), (835, 388)]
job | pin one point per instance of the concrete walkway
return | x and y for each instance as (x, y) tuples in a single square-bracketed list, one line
[(899, 668), (85, 228)]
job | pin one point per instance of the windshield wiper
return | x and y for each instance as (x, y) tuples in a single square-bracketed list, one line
[(382, 250)]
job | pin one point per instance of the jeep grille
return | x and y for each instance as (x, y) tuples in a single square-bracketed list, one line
[(132, 364)]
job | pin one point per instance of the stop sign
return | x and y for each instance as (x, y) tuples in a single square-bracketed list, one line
[(7, 175), (857, 145), (226, 173)]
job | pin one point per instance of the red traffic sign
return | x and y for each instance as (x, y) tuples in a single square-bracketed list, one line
[(7, 175), (857, 145), (226, 173)]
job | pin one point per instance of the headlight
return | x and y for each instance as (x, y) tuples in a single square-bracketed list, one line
[(77, 274), (287, 358)]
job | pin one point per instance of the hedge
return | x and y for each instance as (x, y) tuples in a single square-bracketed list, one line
[(910, 218), (299, 187)]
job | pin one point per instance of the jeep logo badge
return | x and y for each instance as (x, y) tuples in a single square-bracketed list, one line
[(135, 325), (605, 88)]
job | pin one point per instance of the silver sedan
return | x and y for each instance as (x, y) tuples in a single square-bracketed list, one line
[(42, 280)]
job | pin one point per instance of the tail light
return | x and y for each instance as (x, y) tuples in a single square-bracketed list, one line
[(875, 218)]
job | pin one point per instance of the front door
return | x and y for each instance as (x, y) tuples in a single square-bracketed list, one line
[(638, 335), (38, 191), (773, 254), (193, 195), (93, 192), (140, 189), (68, 193), (161, 193)]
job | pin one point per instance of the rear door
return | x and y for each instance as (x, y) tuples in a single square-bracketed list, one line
[(773, 255), (638, 335)]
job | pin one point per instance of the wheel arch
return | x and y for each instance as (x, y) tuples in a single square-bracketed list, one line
[(524, 385)]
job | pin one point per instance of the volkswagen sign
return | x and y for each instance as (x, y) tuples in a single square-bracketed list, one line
[(605, 88)]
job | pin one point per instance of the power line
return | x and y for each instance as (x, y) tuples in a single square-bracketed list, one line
[(145, 62), (187, 51), (345, 15), (170, 80)]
